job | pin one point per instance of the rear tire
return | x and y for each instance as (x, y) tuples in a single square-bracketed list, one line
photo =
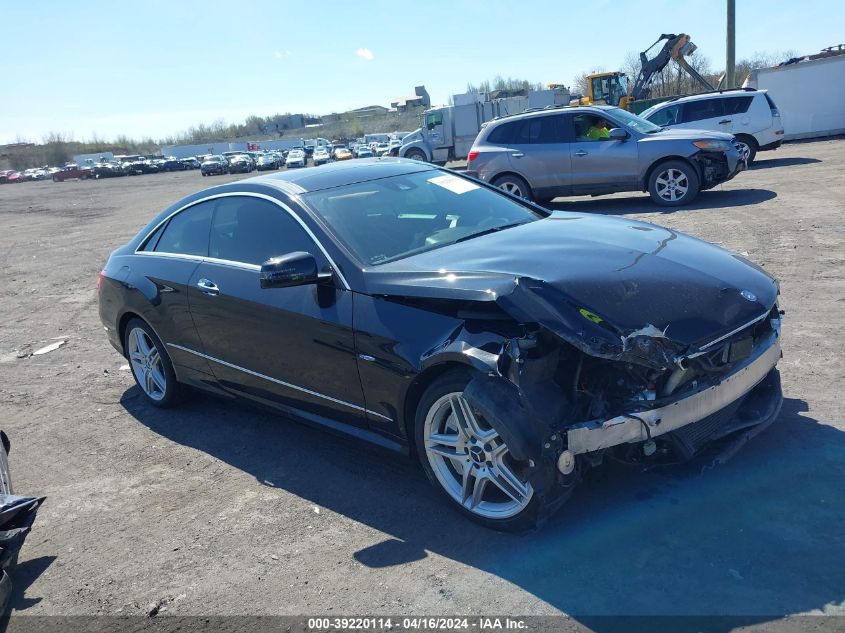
[(492, 508), (514, 185), (150, 365), (673, 183)]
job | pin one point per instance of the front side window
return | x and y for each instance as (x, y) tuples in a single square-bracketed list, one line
[(252, 230), (591, 127), (669, 115), (186, 232), (433, 119), (392, 218)]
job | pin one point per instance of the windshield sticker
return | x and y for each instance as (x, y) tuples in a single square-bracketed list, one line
[(453, 184)]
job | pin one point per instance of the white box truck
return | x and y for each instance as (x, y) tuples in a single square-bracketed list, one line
[(810, 94), (447, 132)]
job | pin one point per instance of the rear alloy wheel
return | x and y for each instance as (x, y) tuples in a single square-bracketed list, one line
[(468, 460), (150, 364), (515, 186), (673, 183)]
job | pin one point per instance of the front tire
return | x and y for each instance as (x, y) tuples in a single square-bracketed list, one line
[(514, 185), (469, 462), (673, 183), (416, 154), (150, 365), (748, 148)]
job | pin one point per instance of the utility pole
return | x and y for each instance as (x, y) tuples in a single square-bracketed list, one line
[(730, 54)]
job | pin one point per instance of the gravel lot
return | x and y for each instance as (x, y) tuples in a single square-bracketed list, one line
[(219, 509)]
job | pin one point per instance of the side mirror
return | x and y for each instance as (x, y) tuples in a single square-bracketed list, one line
[(294, 269), (617, 134)]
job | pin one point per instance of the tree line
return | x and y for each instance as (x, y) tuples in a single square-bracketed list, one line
[(57, 148)]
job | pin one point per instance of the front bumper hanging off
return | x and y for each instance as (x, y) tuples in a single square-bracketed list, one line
[(639, 426)]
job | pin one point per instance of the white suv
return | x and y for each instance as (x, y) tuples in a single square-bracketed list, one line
[(748, 114)]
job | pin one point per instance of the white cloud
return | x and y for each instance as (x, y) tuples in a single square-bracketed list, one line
[(365, 53), (282, 54)]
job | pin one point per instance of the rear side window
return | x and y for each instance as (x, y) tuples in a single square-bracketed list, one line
[(152, 241), (772, 105), (187, 232), (737, 105), (703, 109), (533, 130), (504, 134)]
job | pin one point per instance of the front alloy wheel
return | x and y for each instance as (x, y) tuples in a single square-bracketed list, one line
[(673, 183), (471, 461)]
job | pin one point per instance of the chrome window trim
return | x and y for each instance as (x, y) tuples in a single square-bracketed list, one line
[(279, 382), (238, 264), (201, 259), (730, 334)]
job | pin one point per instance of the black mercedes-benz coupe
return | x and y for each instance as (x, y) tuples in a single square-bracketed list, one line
[(509, 348)]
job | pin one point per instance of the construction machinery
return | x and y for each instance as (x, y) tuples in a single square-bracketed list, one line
[(613, 88)]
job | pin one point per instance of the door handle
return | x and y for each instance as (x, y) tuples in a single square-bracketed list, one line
[(580, 152), (517, 154), (725, 121), (208, 287)]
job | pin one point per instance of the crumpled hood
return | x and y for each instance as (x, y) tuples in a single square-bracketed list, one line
[(598, 282)]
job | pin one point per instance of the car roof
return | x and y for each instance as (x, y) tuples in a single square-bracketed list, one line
[(533, 112), (726, 94), (339, 174)]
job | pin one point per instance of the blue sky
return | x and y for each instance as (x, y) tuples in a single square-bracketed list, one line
[(153, 68)]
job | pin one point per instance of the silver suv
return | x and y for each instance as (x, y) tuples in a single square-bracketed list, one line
[(543, 154)]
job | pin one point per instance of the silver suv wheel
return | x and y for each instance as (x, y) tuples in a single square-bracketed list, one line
[(672, 185)]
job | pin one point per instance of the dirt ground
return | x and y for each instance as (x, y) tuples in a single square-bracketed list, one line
[(219, 509)]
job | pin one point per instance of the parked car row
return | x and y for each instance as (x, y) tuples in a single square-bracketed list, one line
[(124, 165), (242, 162)]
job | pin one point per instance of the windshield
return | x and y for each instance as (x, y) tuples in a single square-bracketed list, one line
[(391, 218), (633, 121)]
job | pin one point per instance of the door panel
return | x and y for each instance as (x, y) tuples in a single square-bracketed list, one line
[(602, 164), (290, 346), (539, 151), (293, 346)]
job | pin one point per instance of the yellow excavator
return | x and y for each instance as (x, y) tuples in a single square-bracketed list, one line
[(613, 88)]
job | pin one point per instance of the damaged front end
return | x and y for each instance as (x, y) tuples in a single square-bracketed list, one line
[(715, 168), (564, 398)]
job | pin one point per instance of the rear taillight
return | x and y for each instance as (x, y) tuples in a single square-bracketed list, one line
[(101, 278), (472, 156)]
